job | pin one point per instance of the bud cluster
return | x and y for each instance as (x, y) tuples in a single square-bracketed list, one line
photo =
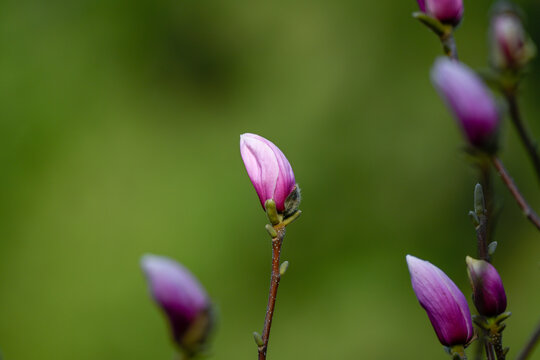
[(445, 304)]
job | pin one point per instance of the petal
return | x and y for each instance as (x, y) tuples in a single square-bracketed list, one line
[(268, 168), (468, 98), (445, 304), (176, 291), (261, 164)]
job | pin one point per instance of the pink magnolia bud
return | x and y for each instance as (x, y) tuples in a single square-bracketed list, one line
[(444, 303), (268, 169), (183, 300), (469, 100), (510, 48), (446, 11), (488, 291)]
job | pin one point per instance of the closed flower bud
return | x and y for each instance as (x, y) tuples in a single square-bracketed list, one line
[(446, 11), (444, 303), (469, 100), (182, 299), (268, 169), (488, 291), (510, 45)]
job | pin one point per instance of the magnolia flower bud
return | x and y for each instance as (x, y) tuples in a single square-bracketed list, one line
[(469, 100), (444, 303), (510, 45), (446, 11), (488, 291), (182, 299), (268, 169)]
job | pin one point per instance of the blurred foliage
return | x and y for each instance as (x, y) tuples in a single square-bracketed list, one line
[(119, 129)]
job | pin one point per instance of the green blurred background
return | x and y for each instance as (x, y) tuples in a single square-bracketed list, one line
[(119, 132)]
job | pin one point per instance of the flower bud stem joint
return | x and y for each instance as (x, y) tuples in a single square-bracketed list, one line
[(492, 328), (277, 232), (445, 32)]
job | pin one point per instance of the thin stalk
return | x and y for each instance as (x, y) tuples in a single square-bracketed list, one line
[(526, 138), (489, 351), (274, 284), (484, 229), (522, 203), (449, 46), (529, 347), (479, 348)]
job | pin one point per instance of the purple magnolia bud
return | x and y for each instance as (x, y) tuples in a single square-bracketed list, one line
[(182, 299), (268, 169), (510, 47), (488, 291), (444, 303), (446, 11), (470, 101)]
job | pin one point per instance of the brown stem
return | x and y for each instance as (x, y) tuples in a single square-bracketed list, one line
[(522, 203), (529, 347), (274, 284), (449, 46), (526, 139), (496, 340)]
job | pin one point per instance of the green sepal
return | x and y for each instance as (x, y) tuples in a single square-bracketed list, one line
[(292, 218), (433, 24), (271, 231), (271, 211), (481, 321), (502, 317), (457, 352)]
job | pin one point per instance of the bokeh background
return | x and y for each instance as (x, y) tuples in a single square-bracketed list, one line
[(119, 132)]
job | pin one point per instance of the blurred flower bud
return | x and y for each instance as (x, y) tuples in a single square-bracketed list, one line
[(268, 169), (469, 100), (488, 291), (510, 44), (444, 303), (182, 299), (446, 11)]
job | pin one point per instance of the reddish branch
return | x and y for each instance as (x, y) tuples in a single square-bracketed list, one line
[(522, 203), (274, 284)]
